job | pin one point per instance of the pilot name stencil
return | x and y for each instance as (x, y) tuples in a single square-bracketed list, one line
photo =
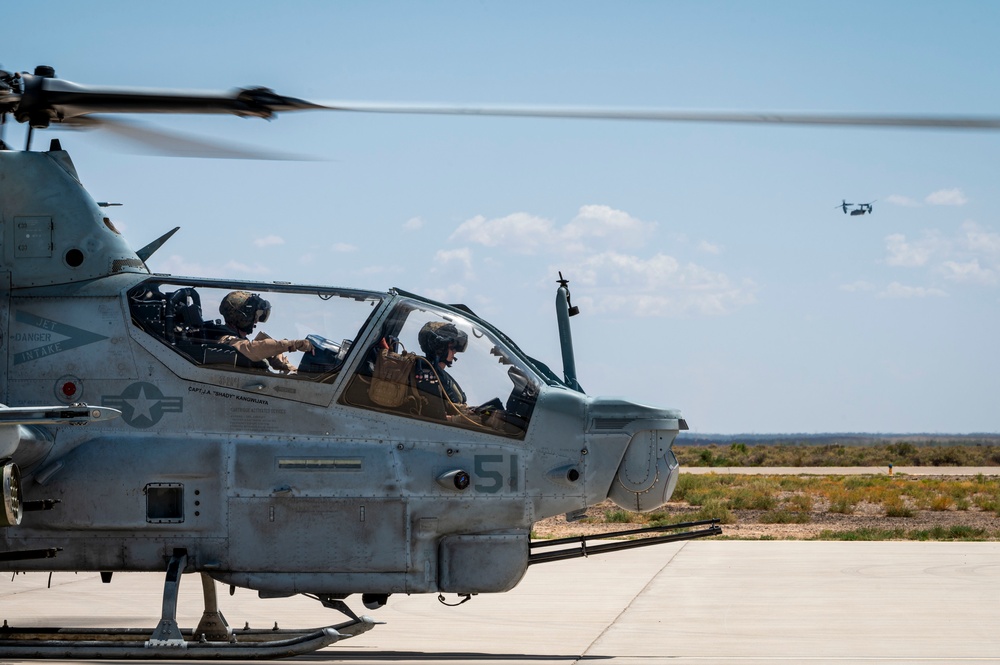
[(261, 418), (218, 393)]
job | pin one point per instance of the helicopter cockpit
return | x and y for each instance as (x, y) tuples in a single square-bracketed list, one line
[(183, 316), (401, 374), (497, 385)]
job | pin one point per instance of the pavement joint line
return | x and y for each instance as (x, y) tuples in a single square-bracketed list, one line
[(586, 652)]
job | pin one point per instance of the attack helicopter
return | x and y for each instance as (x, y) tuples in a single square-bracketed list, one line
[(856, 209), (135, 437)]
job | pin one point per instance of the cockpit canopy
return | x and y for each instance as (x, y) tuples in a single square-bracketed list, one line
[(403, 355), (185, 315)]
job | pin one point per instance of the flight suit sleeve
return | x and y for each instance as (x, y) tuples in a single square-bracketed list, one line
[(264, 347)]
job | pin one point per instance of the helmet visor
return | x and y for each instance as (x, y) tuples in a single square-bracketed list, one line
[(460, 341), (262, 310)]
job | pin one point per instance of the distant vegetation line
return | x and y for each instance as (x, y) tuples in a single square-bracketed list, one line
[(901, 453), (688, 438)]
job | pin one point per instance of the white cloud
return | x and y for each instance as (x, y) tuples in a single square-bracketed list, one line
[(857, 286), (907, 254), (178, 265), (709, 248), (369, 271), (607, 225), (942, 197), (658, 286), (897, 290), (269, 241), (969, 271), (899, 200), (344, 247), (946, 197), (236, 266), (971, 256), (596, 248), (413, 224), (449, 294), (449, 275), (519, 232), (594, 226), (978, 240), (445, 258)]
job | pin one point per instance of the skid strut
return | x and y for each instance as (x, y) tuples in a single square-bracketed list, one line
[(212, 625), (168, 633), (213, 639)]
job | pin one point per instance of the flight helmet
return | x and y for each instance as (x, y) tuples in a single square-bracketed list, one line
[(243, 310), (436, 337)]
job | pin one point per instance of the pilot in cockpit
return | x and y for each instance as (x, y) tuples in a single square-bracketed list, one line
[(440, 341), (242, 311)]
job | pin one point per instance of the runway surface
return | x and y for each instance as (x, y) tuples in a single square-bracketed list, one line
[(699, 602)]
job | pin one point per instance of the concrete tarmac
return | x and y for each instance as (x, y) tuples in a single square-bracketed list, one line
[(700, 602)]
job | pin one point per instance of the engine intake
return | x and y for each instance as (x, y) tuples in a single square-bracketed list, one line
[(12, 497)]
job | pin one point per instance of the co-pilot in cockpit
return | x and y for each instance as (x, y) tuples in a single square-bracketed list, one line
[(440, 342), (492, 389)]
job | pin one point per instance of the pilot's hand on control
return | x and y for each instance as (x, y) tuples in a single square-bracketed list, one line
[(300, 345)]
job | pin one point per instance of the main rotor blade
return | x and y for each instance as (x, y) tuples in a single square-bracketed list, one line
[(158, 141), (54, 100), (46, 100), (667, 115)]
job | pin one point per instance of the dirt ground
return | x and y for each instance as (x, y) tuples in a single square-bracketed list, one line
[(749, 526)]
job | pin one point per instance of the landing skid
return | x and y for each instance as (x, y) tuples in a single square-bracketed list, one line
[(213, 639), (127, 643)]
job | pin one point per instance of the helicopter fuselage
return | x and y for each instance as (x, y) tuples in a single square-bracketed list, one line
[(284, 483)]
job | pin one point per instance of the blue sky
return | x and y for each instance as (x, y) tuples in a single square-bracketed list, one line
[(713, 270)]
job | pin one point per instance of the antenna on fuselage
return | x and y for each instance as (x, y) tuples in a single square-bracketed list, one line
[(148, 250), (564, 310)]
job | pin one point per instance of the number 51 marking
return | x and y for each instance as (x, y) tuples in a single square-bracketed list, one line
[(489, 473)]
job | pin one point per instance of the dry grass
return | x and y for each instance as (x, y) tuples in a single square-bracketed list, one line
[(862, 507), (899, 454)]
